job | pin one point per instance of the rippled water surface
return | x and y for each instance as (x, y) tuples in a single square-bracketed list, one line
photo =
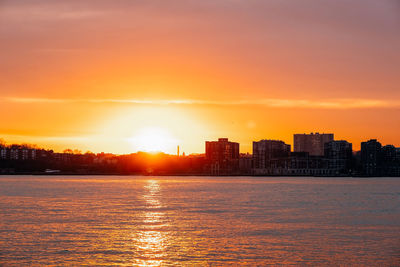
[(158, 221)]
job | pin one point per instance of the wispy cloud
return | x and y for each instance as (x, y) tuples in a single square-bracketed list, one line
[(35, 100), (268, 102)]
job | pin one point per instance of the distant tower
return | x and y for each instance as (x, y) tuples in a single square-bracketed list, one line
[(177, 151)]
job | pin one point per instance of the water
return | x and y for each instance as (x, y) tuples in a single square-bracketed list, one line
[(161, 221)]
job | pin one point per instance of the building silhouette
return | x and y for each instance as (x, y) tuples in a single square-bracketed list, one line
[(222, 156), (378, 160), (18, 152), (303, 164), (339, 156), (390, 161), (245, 164), (270, 156), (371, 158), (311, 143)]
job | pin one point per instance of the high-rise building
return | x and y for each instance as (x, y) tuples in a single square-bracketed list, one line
[(338, 149), (390, 161), (270, 157), (339, 155), (222, 156), (371, 157), (389, 154), (266, 150), (312, 143)]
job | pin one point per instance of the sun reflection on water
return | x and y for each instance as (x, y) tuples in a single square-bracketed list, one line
[(151, 240)]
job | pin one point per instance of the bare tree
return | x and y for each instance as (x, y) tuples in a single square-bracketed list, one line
[(68, 151), (2, 142)]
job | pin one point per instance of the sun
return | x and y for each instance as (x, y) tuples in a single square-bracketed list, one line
[(153, 139), (162, 128)]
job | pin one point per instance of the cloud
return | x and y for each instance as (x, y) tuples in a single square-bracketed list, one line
[(35, 100), (269, 102)]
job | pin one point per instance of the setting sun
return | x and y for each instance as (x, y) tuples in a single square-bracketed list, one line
[(153, 139)]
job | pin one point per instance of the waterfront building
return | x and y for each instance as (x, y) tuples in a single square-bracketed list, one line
[(339, 156), (303, 164), (270, 157), (17, 152), (245, 163), (312, 143), (371, 157), (4, 152), (222, 156), (390, 161)]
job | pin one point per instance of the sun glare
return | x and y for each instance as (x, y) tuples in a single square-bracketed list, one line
[(153, 139), (149, 129)]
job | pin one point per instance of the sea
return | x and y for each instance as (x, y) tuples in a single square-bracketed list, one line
[(199, 221)]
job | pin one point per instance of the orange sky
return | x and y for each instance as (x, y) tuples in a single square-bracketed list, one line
[(102, 75)]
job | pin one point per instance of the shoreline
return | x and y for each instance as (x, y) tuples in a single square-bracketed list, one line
[(187, 175)]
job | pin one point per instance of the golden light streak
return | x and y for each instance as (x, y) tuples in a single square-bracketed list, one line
[(151, 241)]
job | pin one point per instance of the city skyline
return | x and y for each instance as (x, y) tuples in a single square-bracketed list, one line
[(312, 155), (304, 146), (100, 76)]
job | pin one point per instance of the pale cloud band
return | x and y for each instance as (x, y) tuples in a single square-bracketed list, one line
[(271, 103)]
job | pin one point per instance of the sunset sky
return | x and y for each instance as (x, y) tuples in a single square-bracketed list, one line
[(121, 76)]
